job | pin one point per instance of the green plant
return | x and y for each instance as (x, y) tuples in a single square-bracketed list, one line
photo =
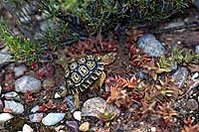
[(103, 15), (183, 57), (22, 49), (164, 64)]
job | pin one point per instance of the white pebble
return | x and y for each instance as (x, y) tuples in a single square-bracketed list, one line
[(53, 118), (35, 109), (56, 96), (27, 128), (195, 75), (77, 115), (153, 129), (5, 117)]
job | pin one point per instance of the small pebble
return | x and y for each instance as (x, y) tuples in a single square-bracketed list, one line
[(20, 70), (12, 96), (197, 49), (84, 127), (53, 118), (192, 104), (77, 115), (5, 117), (27, 128), (27, 83), (5, 57), (1, 105), (72, 125), (35, 109), (180, 76), (70, 103), (97, 105), (153, 129), (16, 107), (37, 117), (59, 128), (196, 4), (195, 76), (57, 96)]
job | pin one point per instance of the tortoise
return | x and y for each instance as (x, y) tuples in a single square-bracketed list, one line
[(86, 71)]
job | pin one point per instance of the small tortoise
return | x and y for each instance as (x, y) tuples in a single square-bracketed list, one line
[(86, 71)]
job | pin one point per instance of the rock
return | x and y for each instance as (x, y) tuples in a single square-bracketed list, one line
[(180, 76), (174, 24), (70, 103), (195, 76), (192, 104), (197, 49), (5, 117), (57, 96), (153, 129), (5, 57), (1, 106), (27, 83), (72, 125), (2, 76), (16, 107), (150, 45), (53, 118), (196, 3), (20, 70), (37, 117), (35, 109), (96, 105), (12, 96), (27, 128), (60, 128), (84, 127), (77, 115)]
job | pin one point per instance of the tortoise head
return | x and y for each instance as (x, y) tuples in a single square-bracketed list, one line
[(108, 58)]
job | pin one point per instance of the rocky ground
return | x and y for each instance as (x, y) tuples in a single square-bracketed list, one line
[(151, 86)]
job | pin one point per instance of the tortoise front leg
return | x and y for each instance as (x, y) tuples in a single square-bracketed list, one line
[(102, 79)]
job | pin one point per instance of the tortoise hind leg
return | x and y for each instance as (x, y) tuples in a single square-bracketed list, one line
[(76, 100)]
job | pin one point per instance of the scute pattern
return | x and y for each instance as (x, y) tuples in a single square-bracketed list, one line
[(82, 73)]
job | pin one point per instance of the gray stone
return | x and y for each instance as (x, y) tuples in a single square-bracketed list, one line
[(180, 76), (19, 70), (16, 107), (27, 83), (94, 106), (174, 24), (150, 45), (197, 49), (196, 3), (1, 105), (35, 109), (5, 57), (12, 96), (37, 117), (53, 118)]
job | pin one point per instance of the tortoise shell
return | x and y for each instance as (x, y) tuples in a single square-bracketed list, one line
[(82, 73)]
